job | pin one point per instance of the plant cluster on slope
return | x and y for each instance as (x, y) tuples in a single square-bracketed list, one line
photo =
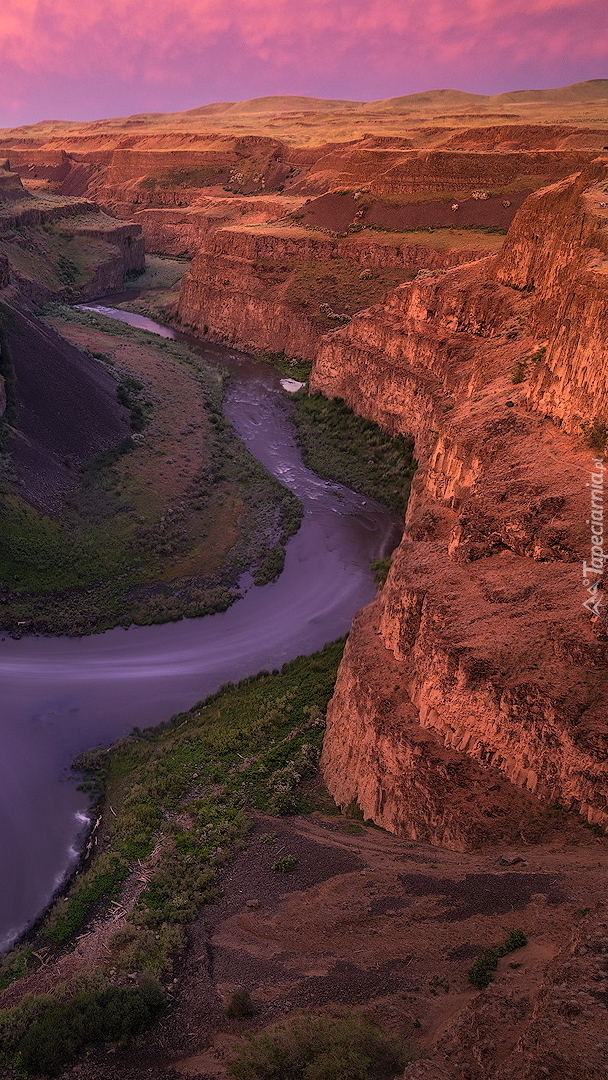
[(179, 797), (347, 448), (321, 1048)]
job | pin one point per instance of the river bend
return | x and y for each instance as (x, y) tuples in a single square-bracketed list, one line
[(59, 696)]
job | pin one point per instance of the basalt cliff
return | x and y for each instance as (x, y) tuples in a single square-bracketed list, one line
[(479, 652)]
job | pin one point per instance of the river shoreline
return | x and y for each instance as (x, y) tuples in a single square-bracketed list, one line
[(63, 695)]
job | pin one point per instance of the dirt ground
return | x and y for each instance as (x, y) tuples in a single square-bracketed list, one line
[(368, 920)]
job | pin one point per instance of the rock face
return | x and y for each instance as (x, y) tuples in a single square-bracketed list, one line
[(11, 188), (481, 628), (248, 287), (88, 253)]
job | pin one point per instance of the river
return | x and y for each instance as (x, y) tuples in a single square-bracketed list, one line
[(59, 696)]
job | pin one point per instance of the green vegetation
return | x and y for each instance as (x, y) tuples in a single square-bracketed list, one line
[(321, 1048), (285, 865), (194, 177), (44, 1033), (519, 372), (292, 367), (482, 230), (520, 368), (60, 255), (119, 556), (344, 447), (328, 292), (240, 1006), (380, 569), (595, 434), (482, 971), (161, 272), (183, 791)]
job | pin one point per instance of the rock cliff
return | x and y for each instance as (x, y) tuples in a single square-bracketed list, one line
[(66, 248), (492, 367), (270, 288)]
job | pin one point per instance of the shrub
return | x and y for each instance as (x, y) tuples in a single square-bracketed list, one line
[(482, 971), (320, 1048), (595, 434), (52, 1032), (380, 569), (240, 1005), (285, 865), (519, 371)]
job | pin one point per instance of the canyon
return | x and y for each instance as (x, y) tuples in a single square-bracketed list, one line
[(447, 278)]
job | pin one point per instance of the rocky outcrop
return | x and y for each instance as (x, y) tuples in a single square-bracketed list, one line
[(11, 188), (558, 251), (225, 297), (481, 625), (240, 287), (183, 231), (68, 248)]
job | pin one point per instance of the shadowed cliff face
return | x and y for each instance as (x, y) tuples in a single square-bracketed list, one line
[(480, 629)]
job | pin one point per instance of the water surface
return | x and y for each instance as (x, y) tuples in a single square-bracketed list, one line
[(59, 696)]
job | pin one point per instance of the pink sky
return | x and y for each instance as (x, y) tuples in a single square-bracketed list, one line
[(85, 59)]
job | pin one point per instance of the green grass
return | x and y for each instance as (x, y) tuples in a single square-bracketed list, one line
[(194, 177), (481, 973), (104, 564), (291, 366), (185, 789), (321, 1048), (161, 272), (344, 447)]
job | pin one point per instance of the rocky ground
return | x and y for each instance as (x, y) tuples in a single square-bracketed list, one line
[(369, 921)]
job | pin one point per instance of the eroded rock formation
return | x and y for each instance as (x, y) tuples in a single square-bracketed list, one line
[(492, 367)]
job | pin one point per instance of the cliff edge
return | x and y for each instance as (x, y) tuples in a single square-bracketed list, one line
[(479, 653)]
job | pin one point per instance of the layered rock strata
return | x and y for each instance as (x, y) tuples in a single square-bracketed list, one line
[(239, 289), (492, 367)]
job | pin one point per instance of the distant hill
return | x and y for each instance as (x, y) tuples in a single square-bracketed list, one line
[(304, 120), (291, 103), (591, 90), (444, 99)]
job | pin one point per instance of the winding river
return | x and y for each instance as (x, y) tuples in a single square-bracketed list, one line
[(59, 696)]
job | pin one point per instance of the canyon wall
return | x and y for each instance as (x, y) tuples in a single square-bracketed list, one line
[(57, 247), (480, 627), (249, 287)]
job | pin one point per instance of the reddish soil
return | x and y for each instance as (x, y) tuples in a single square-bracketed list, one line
[(483, 213), (334, 213), (368, 920)]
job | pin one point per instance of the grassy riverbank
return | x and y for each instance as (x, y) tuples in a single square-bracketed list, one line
[(175, 805), (344, 447), (159, 527)]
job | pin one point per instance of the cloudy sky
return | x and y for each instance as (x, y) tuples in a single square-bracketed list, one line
[(85, 59)]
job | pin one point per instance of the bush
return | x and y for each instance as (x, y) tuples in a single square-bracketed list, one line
[(320, 1048), (595, 433), (519, 372), (55, 1031), (240, 1005), (285, 865), (380, 569), (482, 971)]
